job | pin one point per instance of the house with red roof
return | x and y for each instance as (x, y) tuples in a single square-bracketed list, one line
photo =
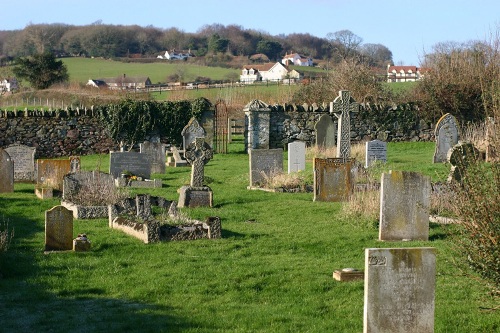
[(404, 73)]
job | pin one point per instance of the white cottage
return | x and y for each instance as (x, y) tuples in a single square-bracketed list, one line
[(296, 59), (267, 72), (404, 73), (8, 85)]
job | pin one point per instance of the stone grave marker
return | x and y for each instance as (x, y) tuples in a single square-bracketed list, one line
[(264, 162), (447, 135), (50, 173), (197, 153), (192, 131), (399, 290), (332, 179), (75, 163), (257, 124), (73, 183), (296, 156), (58, 229), (325, 132), (343, 106), (460, 157), (136, 163), (404, 206), (156, 151), (6, 172), (24, 162), (375, 150)]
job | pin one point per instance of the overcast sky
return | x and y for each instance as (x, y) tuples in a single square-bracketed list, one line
[(409, 28)]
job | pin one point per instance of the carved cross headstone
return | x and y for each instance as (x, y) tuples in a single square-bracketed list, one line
[(198, 153), (343, 105)]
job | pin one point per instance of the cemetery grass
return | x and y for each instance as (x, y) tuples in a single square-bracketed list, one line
[(271, 271)]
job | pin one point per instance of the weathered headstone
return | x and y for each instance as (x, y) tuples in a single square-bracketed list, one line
[(325, 132), (75, 182), (136, 163), (257, 125), (24, 162), (156, 151), (58, 229), (75, 163), (332, 179), (376, 150), (264, 162), (404, 206), (197, 153), (447, 135), (191, 131), (6, 172), (399, 290), (460, 157), (343, 105), (50, 173), (296, 156)]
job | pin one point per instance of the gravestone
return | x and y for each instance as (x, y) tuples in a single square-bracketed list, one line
[(257, 125), (447, 136), (50, 173), (404, 206), (136, 163), (58, 229), (460, 157), (332, 179), (207, 122), (24, 162), (6, 172), (264, 162), (197, 153), (342, 107), (156, 152), (399, 290), (75, 163), (73, 183), (325, 132), (296, 156), (191, 131), (375, 150)]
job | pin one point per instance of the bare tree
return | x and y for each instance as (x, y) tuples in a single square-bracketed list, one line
[(344, 43)]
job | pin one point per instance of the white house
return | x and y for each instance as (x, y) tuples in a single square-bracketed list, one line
[(296, 59), (121, 82), (267, 72), (404, 73), (172, 55), (8, 85)]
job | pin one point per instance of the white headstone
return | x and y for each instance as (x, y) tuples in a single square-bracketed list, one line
[(296, 156)]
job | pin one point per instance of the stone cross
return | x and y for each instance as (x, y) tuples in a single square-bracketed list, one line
[(198, 153), (343, 105)]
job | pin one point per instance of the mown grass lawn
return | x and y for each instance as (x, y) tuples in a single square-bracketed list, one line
[(271, 271)]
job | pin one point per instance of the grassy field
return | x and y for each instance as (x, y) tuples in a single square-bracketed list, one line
[(271, 271)]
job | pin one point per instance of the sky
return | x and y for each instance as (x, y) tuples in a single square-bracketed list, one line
[(409, 28)]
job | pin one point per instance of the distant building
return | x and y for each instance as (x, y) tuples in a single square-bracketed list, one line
[(8, 85), (267, 72), (296, 59), (121, 82), (404, 73), (173, 55)]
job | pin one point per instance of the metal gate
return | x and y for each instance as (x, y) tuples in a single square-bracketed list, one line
[(221, 127)]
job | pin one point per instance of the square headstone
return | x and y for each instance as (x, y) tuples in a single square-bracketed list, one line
[(50, 173), (399, 290), (264, 162), (58, 229), (332, 179), (136, 163), (296, 156), (404, 206), (376, 150), (156, 151), (6, 172), (24, 162)]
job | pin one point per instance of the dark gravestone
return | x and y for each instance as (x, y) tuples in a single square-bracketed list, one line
[(325, 132), (6, 172), (376, 150), (156, 152), (447, 135), (136, 163)]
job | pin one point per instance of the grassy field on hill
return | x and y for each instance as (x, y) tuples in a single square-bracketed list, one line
[(271, 271)]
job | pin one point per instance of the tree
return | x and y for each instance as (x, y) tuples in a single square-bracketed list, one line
[(270, 48), (344, 44), (376, 55), (41, 70), (217, 44)]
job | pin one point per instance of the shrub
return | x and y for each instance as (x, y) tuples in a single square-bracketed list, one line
[(96, 191), (277, 179)]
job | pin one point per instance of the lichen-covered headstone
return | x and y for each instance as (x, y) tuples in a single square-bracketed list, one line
[(58, 229), (332, 179), (6, 172), (263, 163)]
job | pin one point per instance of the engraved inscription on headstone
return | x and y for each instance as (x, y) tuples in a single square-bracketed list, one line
[(399, 290), (136, 163), (24, 162), (58, 229), (343, 105), (376, 150), (156, 151), (332, 179), (6, 172), (296, 156), (264, 162), (447, 136), (50, 173)]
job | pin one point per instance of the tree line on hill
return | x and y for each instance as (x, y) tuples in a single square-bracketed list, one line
[(113, 41)]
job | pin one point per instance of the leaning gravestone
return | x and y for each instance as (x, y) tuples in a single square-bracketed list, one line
[(447, 136), (263, 163), (296, 156), (332, 179), (325, 132), (197, 153), (191, 131), (399, 290), (6, 172), (404, 206), (136, 163), (50, 173), (375, 150), (343, 106), (58, 229), (24, 162), (156, 151)]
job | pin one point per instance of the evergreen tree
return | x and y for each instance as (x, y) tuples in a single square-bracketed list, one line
[(41, 70)]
